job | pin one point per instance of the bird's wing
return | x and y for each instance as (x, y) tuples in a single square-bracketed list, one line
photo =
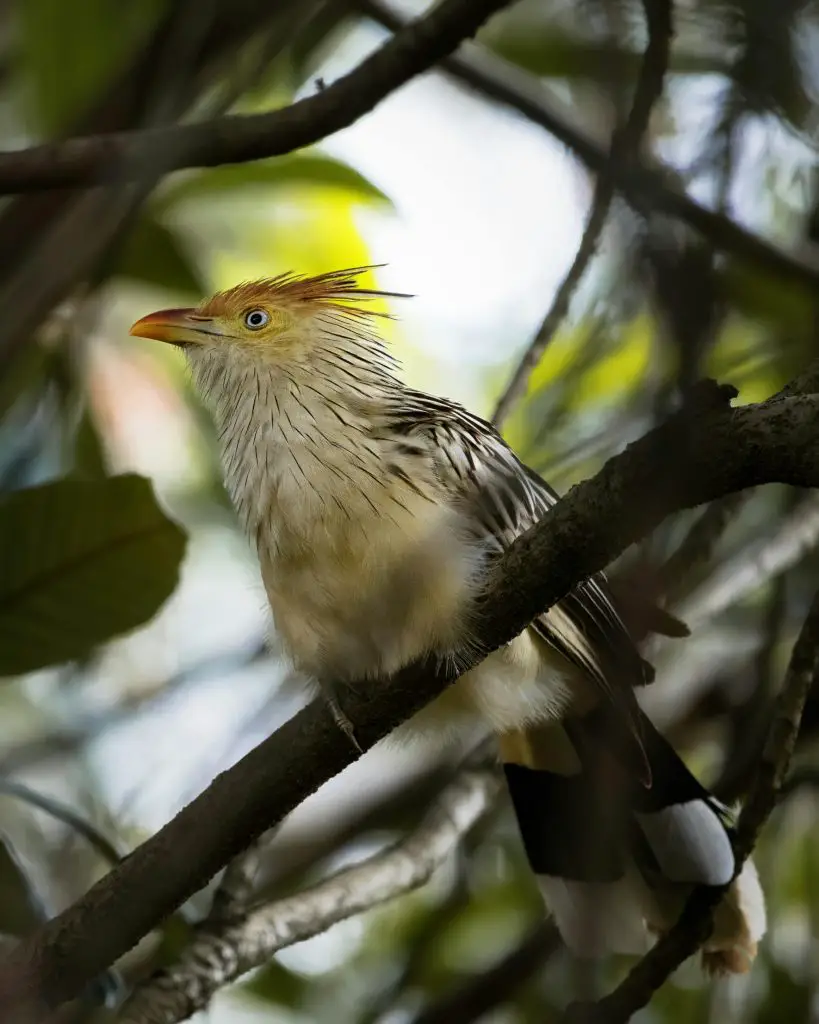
[(505, 498)]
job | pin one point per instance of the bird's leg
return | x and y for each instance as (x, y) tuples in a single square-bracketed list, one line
[(330, 692)]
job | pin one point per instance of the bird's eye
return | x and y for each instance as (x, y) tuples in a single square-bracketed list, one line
[(255, 319)]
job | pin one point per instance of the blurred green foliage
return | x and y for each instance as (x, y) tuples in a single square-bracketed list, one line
[(82, 561), (157, 256), (68, 54)]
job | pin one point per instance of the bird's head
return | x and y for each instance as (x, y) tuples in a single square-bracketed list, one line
[(277, 320)]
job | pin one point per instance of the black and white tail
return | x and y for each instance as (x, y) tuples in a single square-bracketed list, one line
[(616, 853)]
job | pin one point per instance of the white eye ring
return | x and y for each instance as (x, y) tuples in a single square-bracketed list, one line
[(256, 319)]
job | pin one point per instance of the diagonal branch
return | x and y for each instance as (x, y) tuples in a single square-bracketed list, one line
[(74, 232), (129, 156), (219, 956), (502, 81), (84, 162), (58, 810), (696, 456), (625, 148)]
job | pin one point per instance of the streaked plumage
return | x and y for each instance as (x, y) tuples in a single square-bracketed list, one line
[(375, 510)]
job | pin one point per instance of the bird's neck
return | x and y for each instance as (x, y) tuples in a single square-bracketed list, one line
[(295, 439)]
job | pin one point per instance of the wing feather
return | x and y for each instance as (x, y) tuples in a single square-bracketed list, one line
[(506, 498)]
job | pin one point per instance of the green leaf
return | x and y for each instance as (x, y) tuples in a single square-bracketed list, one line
[(154, 253), (81, 561), (282, 172)]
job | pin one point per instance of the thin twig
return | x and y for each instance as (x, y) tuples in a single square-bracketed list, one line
[(748, 721), (69, 817), (625, 148), (216, 958), (74, 736), (695, 923), (421, 944), (516, 388), (292, 861), (502, 81)]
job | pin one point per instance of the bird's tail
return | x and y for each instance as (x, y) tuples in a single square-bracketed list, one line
[(616, 857)]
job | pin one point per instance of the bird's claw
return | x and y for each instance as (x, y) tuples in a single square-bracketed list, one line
[(341, 720)]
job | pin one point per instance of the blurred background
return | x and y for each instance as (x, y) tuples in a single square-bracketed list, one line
[(478, 212)]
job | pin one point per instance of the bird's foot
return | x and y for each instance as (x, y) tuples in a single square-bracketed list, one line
[(339, 717)]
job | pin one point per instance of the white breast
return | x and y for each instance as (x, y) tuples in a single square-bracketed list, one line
[(364, 572)]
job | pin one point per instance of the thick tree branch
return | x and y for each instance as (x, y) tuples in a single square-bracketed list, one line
[(695, 457), (694, 924), (130, 156), (625, 148), (217, 957)]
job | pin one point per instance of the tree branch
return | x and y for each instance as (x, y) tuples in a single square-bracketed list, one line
[(50, 242), (131, 156), (696, 456), (502, 81), (217, 957), (695, 923), (625, 148), (93, 160)]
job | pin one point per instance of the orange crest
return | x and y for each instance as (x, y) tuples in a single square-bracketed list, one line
[(338, 290)]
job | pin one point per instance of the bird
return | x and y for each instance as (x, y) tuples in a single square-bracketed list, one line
[(376, 511)]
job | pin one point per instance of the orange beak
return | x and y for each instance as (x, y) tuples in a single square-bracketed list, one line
[(179, 327)]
